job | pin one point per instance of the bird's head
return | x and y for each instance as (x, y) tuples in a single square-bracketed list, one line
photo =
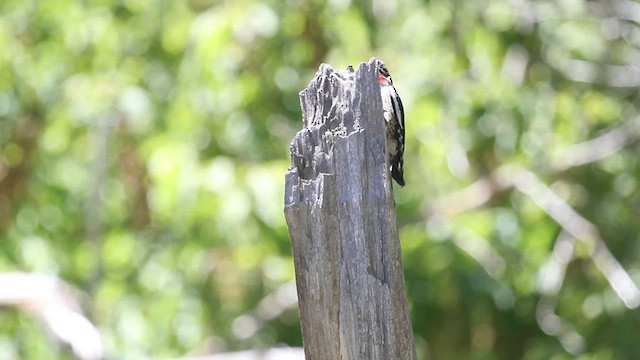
[(384, 78)]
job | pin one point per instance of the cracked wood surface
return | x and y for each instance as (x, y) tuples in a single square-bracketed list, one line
[(341, 216)]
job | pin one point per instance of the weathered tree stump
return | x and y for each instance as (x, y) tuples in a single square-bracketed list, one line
[(341, 215)]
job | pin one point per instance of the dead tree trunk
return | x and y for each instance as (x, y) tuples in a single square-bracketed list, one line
[(341, 215)]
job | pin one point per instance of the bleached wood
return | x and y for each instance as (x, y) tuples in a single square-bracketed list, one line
[(341, 215)]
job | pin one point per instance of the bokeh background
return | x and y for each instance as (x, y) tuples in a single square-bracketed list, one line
[(143, 146)]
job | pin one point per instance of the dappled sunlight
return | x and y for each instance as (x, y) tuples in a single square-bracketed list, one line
[(143, 147)]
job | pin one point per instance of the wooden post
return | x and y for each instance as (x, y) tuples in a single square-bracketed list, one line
[(341, 215)]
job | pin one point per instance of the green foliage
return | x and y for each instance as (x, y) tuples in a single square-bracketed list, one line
[(143, 146)]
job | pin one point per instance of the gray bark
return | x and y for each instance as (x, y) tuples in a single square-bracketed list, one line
[(341, 215)]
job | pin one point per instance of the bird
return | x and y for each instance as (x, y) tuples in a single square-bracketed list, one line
[(393, 113)]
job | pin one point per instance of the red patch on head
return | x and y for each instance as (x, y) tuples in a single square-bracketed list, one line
[(382, 80)]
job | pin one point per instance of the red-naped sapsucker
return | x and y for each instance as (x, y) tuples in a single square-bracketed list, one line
[(394, 120)]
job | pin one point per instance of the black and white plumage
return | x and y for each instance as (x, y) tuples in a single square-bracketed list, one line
[(394, 121)]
